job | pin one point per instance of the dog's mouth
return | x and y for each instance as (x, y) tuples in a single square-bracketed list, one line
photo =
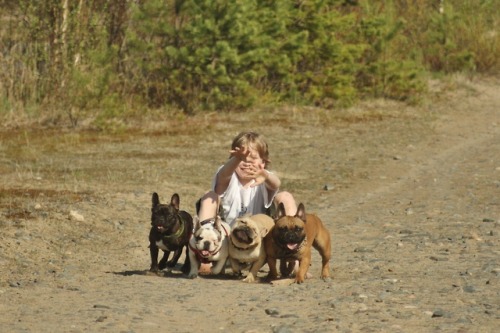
[(160, 228), (292, 244), (243, 236)]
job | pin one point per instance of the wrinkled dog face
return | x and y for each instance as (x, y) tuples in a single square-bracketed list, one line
[(207, 239), (289, 232), (245, 232)]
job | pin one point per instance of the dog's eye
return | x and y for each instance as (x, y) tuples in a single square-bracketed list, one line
[(198, 238), (298, 229)]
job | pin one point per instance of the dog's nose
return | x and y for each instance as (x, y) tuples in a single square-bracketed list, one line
[(206, 245)]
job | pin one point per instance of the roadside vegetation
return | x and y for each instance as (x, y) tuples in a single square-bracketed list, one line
[(96, 61)]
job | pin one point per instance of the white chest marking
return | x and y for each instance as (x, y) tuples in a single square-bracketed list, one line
[(162, 246)]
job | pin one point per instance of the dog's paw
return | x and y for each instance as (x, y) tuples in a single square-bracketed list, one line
[(236, 274), (326, 278), (171, 264), (192, 276), (249, 278), (152, 273)]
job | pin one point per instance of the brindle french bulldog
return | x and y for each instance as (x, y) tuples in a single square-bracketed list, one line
[(171, 230)]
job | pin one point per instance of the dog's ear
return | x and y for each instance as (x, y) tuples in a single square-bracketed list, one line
[(196, 222), (218, 227), (175, 201), (244, 219), (281, 210), (217, 223), (155, 199), (301, 212)]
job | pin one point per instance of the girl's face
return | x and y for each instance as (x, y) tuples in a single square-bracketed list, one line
[(247, 168)]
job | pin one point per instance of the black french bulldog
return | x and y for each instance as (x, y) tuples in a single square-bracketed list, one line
[(171, 230)]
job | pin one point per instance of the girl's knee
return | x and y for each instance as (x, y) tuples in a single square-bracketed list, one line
[(286, 198), (208, 201), (210, 196)]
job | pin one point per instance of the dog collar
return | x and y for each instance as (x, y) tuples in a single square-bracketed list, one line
[(225, 230), (207, 221), (212, 221), (179, 232), (201, 257)]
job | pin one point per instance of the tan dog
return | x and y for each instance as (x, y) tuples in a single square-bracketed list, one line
[(292, 238), (246, 244)]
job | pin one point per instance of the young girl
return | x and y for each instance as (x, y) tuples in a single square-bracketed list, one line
[(243, 185)]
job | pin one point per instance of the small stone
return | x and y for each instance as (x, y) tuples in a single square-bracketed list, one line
[(289, 315), (272, 312), (488, 220), (438, 258), (74, 215), (469, 289), (328, 187), (409, 211), (438, 313), (14, 284)]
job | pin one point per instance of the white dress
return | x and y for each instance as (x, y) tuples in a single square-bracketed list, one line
[(238, 201)]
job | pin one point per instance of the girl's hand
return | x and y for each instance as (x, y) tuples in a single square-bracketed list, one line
[(240, 154), (260, 176), (257, 172), (251, 168)]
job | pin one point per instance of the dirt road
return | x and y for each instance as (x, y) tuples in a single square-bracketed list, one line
[(411, 196)]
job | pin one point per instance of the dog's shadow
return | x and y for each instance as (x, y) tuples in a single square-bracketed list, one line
[(177, 274), (130, 273), (147, 272)]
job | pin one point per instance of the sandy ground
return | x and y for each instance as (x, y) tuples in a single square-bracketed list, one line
[(410, 195)]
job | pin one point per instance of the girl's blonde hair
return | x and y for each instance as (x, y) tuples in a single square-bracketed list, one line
[(257, 141)]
